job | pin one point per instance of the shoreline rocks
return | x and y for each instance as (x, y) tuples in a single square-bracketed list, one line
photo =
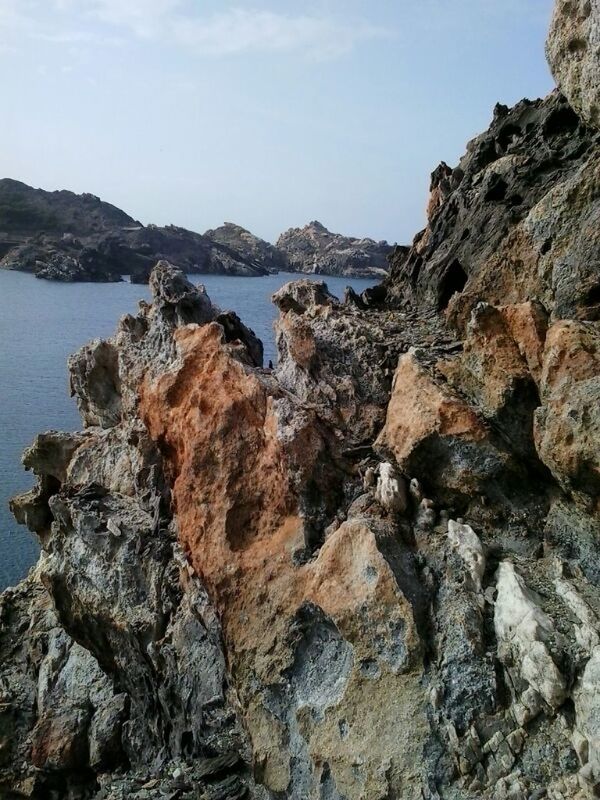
[(67, 237), (368, 572), (315, 250)]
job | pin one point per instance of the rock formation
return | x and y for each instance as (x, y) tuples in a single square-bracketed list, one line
[(315, 250), (250, 246), (68, 237), (369, 573)]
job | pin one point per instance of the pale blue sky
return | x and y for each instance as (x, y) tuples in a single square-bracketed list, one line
[(264, 113)]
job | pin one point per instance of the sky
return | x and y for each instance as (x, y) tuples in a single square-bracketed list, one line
[(268, 114)]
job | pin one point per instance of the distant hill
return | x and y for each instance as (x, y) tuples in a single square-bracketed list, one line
[(25, 211), (78, 237)]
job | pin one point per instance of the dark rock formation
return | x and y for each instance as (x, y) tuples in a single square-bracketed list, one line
[(69, 237), (501, 223), (315, 250), (369, 573), (25, 211)]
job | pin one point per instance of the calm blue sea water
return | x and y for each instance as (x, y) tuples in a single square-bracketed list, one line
[(41, 324)]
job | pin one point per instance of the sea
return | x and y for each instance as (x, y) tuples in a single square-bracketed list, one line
[(42, 323)]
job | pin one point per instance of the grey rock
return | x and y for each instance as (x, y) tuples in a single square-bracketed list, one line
[(315, 250), (572, 50)]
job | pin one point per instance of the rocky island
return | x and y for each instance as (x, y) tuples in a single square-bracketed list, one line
[(372, 572), (68, 237)]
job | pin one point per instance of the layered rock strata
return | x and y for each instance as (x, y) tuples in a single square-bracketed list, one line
[(369, 573)]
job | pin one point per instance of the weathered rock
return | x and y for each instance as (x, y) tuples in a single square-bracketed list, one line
[(370, 572), (51, 688), (524, 632), (567, 424), (433, 434), (501, 229), (497, 369), (572, 49), (468, 546), (314, 249), (252, 248)]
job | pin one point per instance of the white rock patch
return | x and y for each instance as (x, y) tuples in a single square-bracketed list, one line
[(468, 546), (391, 492), (523, 631)]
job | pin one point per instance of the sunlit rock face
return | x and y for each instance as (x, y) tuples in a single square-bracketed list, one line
[(371, 572), (572, 49)]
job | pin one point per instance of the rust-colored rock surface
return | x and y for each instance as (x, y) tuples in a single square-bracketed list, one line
[(241, 455), (567, 428)]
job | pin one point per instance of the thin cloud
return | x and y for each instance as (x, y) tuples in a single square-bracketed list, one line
[(225, 33), (240, 31)]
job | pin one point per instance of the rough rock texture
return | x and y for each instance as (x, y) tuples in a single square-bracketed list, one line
[(573, 51), (501, 223), (314, 249), (369, 573)]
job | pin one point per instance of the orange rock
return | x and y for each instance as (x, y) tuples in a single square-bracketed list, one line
[(420, 408), (567, 426), (435, 435), (240, 456), (528, 325)]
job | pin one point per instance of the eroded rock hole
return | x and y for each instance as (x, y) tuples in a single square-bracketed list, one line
[(497, 190), (562, 121), (577, 46), (592, 297), (452, 283), (507, 135)]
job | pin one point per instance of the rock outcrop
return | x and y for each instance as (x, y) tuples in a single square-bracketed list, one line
[(371, 572), (573, 53), (250, 246), (68, 237), (501, 222), (315, 250)]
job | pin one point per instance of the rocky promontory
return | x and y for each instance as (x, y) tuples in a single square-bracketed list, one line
[(315, 250), (252, 247), (371, 572), (68, 237)]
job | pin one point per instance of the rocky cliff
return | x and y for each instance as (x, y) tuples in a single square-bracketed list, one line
[(68, 237), (369, 573), (315, 250)]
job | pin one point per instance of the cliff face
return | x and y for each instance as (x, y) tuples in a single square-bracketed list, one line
[(370, 573), (501, 224), (315, 250)]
